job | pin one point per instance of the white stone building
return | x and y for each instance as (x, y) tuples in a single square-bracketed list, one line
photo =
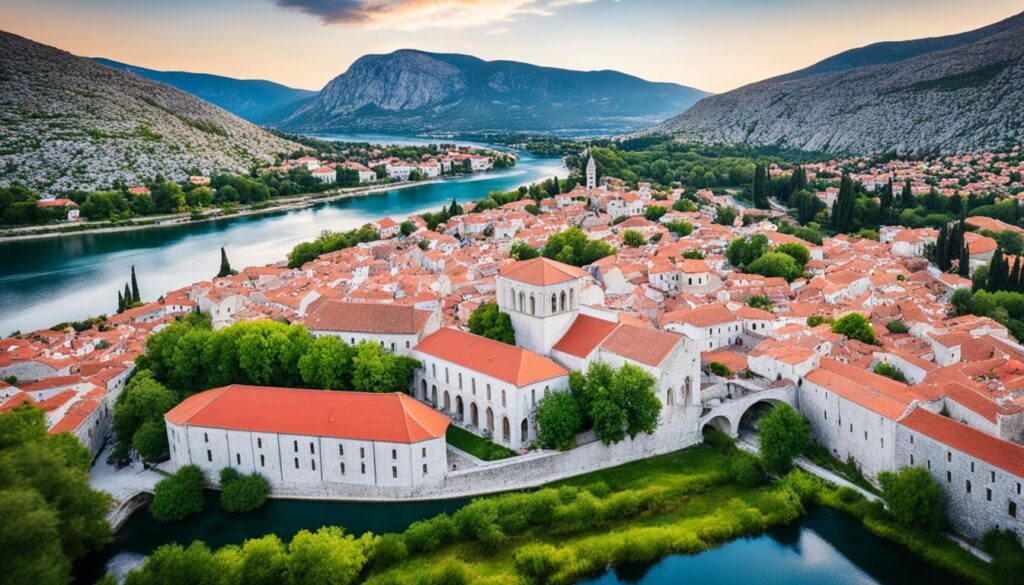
[(292, 436), (397, 328), (542, 298), (487, 385)]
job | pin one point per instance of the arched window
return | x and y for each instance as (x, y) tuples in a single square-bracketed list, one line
[(554, 303), (563, 300), (522, 302), (533, 305), (503, 398), (572, 299)]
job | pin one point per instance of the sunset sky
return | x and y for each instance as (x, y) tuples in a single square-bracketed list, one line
[(715, 45)]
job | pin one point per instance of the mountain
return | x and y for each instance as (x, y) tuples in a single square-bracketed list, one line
[(948, 94), (67, 122), (415, 91), (252, 99)]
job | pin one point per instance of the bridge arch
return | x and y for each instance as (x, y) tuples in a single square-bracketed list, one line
[(750, 418), (720, 423)]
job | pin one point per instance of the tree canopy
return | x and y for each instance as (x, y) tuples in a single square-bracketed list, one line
[(784, 435), (855, 326), (487, 320), (915, 500), (573, 247)]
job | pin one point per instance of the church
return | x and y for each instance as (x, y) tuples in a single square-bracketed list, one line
[(492, 388)]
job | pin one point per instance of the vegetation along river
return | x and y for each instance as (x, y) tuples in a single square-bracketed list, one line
[(47, 281)]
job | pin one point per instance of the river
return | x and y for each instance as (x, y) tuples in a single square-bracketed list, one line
[(47, 281), (824, 546)]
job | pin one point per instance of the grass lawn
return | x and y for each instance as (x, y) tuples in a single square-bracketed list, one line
[(475, 445)]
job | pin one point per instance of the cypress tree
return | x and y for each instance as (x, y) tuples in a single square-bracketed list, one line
[(885, 203), (842, 209), (135, 287), (128, 302), (996, 272), (555, 188), (120, 302), (942, 249), (965, 262), (225, 266), (907, 197), (759, 190), (1014, 280)]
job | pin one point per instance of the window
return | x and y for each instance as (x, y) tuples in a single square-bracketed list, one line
[(883, 442), (424, 451), (343, 468), (968, 486), (972, 467), (993, 476), (209, 456), (911, 458), (362, 452), (311, 451), (472, 383), (263, 462), (394, 472), (312, 464), (259, 443), (424, 469), (362, 468), (503, 398), (488, 392), (911, 439), (206, 438), (1013, 510), (949, 456), (826, 415), (392, 347), (394, 453), (929, 465), (460, 380), (341, 449), (865, 435), (406, 345), (296, 463), (433, 369), (949, 477), (238, 458), (295, 446), (446, 378), (988, 494)]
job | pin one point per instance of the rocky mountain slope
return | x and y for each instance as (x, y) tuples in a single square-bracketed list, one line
[(949, 94), (252, 99), (67, 122), (414, 91)]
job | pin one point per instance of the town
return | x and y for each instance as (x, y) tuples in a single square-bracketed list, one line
[(863, 340)]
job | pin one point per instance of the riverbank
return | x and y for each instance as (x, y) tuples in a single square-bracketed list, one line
[(171, 220)]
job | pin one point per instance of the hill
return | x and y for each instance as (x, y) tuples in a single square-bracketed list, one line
[(252, 99), (67, 123), (415, 91), (948, 94)]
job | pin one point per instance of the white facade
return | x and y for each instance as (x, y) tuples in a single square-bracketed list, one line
[(540, 314), (286, 459)]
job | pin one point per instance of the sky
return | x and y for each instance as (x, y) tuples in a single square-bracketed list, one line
[(714, 45)]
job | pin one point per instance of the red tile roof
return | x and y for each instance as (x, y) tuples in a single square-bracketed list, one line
[(641, 344), (393, 418), (326, 314), (992, 450), (876, 393), (585, 334), (541, 272), (509, 363)]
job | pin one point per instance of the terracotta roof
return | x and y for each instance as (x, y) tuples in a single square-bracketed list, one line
[(994, 451), (509, 363), (641, 344), (326, 314), (541, 272), (876, 393), (585, 334), (706, 316), (394, 418)]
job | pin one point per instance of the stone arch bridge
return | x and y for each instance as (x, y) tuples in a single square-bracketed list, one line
[(733, 405)]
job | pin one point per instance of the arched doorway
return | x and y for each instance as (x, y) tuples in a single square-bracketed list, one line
[(752, 416), (506, 430), (718, 423), (447, 401), (433, 395), (688, 391), (671, 397), (524, 431), (458, 407), (489, 415), (423, 388), (474, 415)]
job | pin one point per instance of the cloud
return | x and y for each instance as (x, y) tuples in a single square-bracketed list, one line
[(419, 14)]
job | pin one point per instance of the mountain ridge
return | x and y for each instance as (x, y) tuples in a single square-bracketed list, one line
[(958, 98), (415, 91), (67, 122)]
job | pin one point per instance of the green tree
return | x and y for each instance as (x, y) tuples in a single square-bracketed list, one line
[(914, 499), (907, 196), (889, 371), (622, 402), (178, 496), (573, 247), (142, 400), (633, 239), (759, 187), (225, 266), (679, 228), (264, 561), (797, 251), (150, 441), (30, 539), (961, 299), (173, 563), (761, 302), (327, 364), (784, 436), (725, 215), (487, 320), (654, 212), (168, 198), (774, 264), (843, 209), (407, 228), (242, 493), (522, 251), (559, 420), (855, 326), (720, 369), (375, 370), (135, 287), (327, 556)]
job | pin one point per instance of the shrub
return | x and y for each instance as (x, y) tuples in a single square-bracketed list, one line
[(1007, 555), (855, 326), (427, 535), (784, 436), (720, 369), (538, 562), (178, 496), (719, 441), (745, 469), (915, 500), (558, 418), (390, 549), (889, 371), (451, 572), (242, 493), (897, 326)]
